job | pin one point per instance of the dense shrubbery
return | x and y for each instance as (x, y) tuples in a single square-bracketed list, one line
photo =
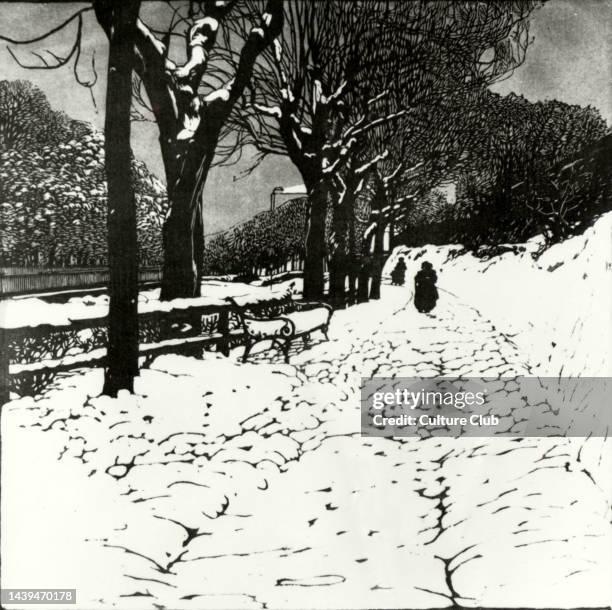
[(53, 189), (269, 239), (533, 168), (536, 168), (27, 120)]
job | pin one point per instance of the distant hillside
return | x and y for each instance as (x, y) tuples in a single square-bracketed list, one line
[(53, 188)]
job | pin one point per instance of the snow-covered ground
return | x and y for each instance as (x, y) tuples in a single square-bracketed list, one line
[(558, 307), (227, 485)]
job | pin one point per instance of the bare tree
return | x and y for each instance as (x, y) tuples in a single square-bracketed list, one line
[(191, 121), (299, 102), (191, 89), (425, 149), (342, 70)]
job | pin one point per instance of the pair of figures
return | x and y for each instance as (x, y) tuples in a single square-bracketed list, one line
[(425, 291)]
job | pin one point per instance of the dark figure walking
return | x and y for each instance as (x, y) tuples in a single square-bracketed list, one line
[(425, 291), (398, 273)]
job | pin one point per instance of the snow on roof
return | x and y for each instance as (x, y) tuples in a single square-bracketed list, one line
[(298, 189)]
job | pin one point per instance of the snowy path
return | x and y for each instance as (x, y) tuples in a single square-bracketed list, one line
[(261, 493)]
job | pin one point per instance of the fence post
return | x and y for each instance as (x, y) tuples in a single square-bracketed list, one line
[(4, 367), (223, 344)]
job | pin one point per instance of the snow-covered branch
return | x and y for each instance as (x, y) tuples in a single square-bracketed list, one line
[(339, 92), (260, 36), (371, 163), (392, 116), (389, 178), (285, 90), (405, 198), (271, 111)]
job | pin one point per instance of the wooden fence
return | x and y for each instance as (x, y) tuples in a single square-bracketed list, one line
[(293, 264), (30, 357), (23, 281)]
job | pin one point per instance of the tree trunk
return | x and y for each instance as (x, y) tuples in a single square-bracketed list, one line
[(122, 351), (337, 280), (392, 229), (315, 242), (339, 260), (363, 281), (377, 259), (352, 282), (51, 256), (353, 265), (198, 242), (183, 230), (179, 272)]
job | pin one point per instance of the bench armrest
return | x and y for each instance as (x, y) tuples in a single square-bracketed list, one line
[(257, 329), (308, 320)]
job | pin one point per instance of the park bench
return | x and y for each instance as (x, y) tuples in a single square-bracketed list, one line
[(281, 330), (31, 356)]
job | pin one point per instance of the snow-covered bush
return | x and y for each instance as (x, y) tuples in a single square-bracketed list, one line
[(53, 188), (269, 239)]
